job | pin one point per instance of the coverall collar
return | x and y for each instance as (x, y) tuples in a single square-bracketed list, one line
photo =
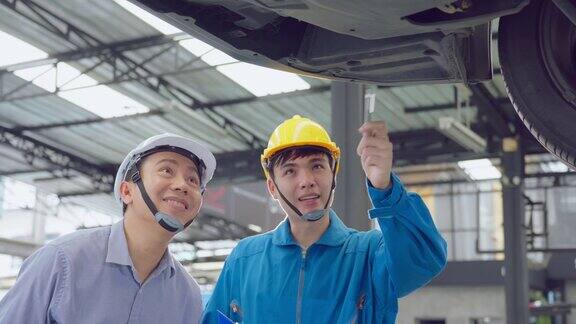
[(334, 235)]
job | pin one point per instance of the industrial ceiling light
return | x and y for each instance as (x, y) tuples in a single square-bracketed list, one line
[(461, 134), (481, 169), (554, 167)]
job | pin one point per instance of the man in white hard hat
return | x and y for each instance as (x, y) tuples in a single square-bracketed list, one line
[(123, 273)]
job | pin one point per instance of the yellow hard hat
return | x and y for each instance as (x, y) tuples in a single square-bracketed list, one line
[(294, 132)]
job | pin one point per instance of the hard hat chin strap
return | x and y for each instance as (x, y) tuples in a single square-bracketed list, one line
[(316, 214), (169, 223)]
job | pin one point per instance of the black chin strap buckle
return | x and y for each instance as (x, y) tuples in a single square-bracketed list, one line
[(136, 177), (166, 226)]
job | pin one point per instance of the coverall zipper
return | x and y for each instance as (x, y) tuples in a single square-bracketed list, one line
[(300, 288)]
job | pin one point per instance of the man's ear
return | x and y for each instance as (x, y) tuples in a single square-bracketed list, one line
[(272, 188), (127, 192)]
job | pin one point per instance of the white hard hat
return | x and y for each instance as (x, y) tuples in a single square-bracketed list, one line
[(170, 140)]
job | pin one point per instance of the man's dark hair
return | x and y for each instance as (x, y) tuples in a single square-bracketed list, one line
[(293, 153)]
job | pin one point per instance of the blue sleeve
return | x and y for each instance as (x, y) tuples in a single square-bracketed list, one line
[(220, 299), (38, 289), (411, 251)]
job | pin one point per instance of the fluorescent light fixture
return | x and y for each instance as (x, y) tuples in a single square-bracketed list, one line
[(554, 167), (461, 134), (221, 252), (207, 266), (218, 244), (204, 254), (98, 99), (481, 169), (260, 81), (255, 228)]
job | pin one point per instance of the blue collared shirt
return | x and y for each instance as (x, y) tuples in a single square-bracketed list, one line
[(88, 277)]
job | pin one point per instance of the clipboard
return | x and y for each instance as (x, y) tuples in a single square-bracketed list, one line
[(223, 319)]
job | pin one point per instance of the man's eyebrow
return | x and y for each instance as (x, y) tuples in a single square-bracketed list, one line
[(318, 159), (288, 165), (172, 161)]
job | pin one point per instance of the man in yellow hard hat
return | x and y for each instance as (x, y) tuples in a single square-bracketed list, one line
[(314, 269)]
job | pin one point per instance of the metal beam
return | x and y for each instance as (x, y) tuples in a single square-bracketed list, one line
[(208, 105), (253, 99), (410, 148), (244, 166), (239, 166), (102, 176), (17, 248), (562, 176), (162, 39), (516, 268), (124, 46), (422, 134), (502, 102), (21, 129), (74, 35), (491, 109), (17, 172), (114, 80), (99, 50)]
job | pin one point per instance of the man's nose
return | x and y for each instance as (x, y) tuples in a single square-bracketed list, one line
[(180, 184), (307, 180)]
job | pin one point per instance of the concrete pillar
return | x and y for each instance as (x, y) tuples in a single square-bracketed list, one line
[(351, 200)]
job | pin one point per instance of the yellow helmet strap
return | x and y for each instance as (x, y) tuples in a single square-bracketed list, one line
[(316, 214)]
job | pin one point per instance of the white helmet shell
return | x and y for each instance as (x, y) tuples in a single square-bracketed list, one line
[(172, 140)]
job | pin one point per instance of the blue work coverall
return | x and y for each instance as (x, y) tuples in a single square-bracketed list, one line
[(347, 276)]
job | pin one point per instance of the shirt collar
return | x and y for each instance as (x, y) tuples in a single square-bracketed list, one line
[(118, 250), (334, 235), (167, 261)]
